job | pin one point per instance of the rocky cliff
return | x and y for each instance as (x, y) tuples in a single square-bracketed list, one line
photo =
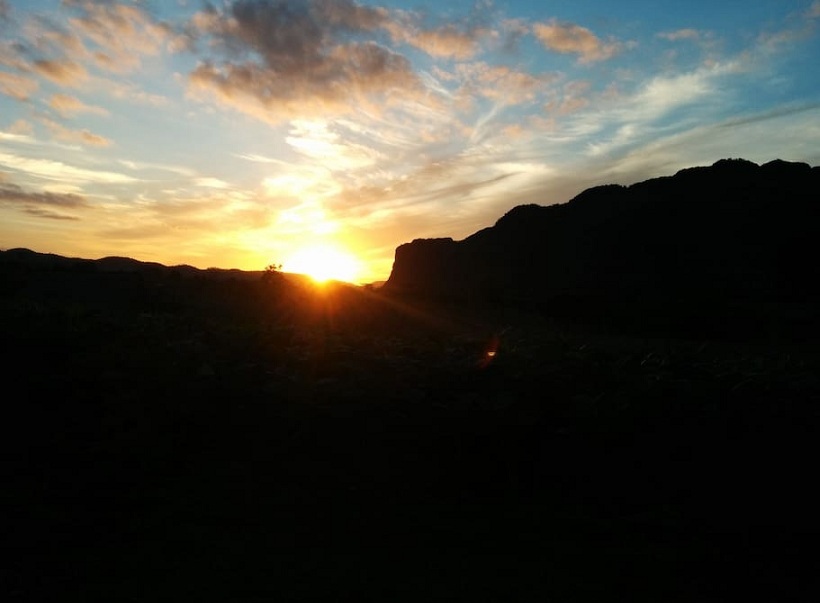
[(733, 232)]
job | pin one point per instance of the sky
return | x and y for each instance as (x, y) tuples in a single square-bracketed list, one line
[(244, 133)]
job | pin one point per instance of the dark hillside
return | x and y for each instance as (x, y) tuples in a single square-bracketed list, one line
[(709, 251)]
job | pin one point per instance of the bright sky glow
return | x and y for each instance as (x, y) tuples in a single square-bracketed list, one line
[(241, 133), (323, 263)]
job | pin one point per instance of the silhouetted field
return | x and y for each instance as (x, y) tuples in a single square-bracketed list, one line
[(191, 436)]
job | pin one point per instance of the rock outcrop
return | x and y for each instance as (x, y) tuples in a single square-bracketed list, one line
[(731, 233)]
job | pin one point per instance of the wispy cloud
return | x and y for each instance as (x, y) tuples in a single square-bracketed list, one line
[(569, 98), (41, 204), (59, 171), (256, 158), (680, 34), (161, 167), (207, 182), (501, 83)]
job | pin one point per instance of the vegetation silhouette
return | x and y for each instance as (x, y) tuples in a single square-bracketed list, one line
[(175, 434)]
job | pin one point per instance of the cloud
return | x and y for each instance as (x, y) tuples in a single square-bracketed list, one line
[(448, 41), (659, 103), (160, 167), (62, 172), (131, 92), (18, 87), (570, 99), (568, 38), (212, 183), (5, 10), (14, 195), (680, 34), (42, 213), (121, 33), (76, 136), (772, 114), (797, 28), (19, 131), (107, 35), (501, 83), (64, 72), (786, 133), (445, 41), (256, 158), (280, 60), (45, 37), (317, 140), (665, 93), (776, 41), (67, 106)]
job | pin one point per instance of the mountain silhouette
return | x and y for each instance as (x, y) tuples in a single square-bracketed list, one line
[(734, 239)]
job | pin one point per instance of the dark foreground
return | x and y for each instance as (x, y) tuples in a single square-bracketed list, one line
[(347, 447)]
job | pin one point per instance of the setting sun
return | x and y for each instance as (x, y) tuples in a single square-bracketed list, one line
[(323, 263)]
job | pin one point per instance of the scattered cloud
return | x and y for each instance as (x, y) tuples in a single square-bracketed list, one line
[(67, 106), (448, 41), (64, 72), (280, 60), (83, 136), (18, 87), (568, 38), (103, 35), (121, 33), (132, 93)]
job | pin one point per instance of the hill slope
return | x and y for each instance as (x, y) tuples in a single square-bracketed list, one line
[(731, 235)]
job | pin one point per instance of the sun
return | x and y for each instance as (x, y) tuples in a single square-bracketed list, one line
[(323, 263)]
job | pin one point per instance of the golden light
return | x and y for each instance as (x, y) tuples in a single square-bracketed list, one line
[(323, 263)]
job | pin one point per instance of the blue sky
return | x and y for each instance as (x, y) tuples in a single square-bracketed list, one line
[(236, 134)]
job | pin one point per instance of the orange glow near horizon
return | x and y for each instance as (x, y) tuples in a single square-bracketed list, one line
[(323, 263)]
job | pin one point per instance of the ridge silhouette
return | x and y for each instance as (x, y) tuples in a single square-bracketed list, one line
[(729, 241)]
